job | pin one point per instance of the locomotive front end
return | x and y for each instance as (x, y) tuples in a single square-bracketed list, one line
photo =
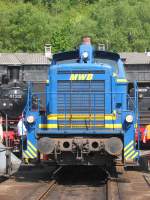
[(87, 121)]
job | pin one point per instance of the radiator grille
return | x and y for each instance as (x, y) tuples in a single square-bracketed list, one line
[(82, 103)]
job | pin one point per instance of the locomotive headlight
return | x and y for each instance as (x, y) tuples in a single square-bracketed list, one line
[(30, 119), (140, 95), (85, 55), (4, 104), (129, 118)]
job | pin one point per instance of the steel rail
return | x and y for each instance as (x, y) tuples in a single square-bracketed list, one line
[(112, 185), (112, 190), (49, 189), (147, 179), (52, 184)]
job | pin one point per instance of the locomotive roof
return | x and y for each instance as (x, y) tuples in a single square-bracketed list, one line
[(133, 58), (23, 59), (75, 55)]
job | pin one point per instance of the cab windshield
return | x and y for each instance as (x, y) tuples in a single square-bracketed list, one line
[(100, 58), (112, 63)]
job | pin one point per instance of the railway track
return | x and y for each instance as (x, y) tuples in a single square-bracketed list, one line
[(109, 191), (57, 192), (78, 183), (80, 187)]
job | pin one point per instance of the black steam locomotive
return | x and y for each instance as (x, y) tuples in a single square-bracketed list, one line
[(13, 94), (144, 109), (144, 104)]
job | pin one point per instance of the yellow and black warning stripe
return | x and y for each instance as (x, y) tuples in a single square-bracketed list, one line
[(31, 151), (129, 151)]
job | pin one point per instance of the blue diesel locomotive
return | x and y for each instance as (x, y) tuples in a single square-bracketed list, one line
[(87, 118)]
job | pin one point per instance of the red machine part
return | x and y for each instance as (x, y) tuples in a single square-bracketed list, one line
[(143, 138), (140, 134), (11, 135)]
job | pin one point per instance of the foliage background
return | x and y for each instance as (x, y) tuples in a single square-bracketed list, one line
[(26, 25)]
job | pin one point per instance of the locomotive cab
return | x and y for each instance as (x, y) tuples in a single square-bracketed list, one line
[(87, 119)]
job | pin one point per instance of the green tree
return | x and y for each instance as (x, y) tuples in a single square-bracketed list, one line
[(27, 25)]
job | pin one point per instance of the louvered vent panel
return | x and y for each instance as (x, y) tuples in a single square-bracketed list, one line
[(82, 103)]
